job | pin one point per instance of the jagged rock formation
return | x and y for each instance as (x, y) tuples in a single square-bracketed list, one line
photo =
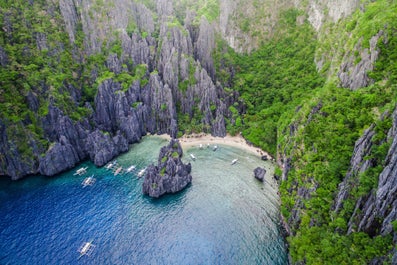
[(259, 173), (170, 175), (180, 75), (179, 78), (328, 10), (353, 75), (243, 24), (358, 165), (375, 211)]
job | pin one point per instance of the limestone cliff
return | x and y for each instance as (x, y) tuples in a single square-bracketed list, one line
[(170, 175), (109, 42)]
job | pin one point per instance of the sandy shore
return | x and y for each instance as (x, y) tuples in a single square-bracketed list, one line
[(204, 139)]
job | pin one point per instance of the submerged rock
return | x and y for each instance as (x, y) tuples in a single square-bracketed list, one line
[(170, 175), (259, 173)]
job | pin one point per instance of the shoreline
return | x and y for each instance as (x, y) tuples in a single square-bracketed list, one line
[(192, 140)]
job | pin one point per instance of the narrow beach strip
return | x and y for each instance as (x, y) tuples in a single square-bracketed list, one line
[(191, 140)]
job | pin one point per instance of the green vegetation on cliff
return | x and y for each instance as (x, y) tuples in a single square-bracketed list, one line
[(296, 113), (274, 80)]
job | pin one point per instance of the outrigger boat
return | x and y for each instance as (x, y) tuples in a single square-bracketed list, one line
[(118, 170), (141, 172), (86, 249), (193, 157), (215, 148), (131, 168), (234, 161), (88, 181), (81, 171), (111, 164)]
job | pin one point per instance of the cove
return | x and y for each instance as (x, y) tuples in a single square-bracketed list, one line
[(225, 216)]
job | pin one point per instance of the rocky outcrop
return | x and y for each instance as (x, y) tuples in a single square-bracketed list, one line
[(381, 207), (150, 38), (259, 173), (70, 16), (170, 175), (60, 157), (204, 47), (103, 147), (12, 162), (358, 164), (159, 100), (114, 110), (3, 57), (320, 12), (354, 75), (375, 211)]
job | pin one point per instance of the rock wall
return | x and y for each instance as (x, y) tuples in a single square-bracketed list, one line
[(375, 211), (320, 12), (170, 175), (355, 75), (172, 53)]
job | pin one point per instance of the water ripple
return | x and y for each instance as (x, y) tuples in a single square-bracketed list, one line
[(224, 217)]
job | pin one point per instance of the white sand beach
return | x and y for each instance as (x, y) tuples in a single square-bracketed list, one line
[(204, 139)]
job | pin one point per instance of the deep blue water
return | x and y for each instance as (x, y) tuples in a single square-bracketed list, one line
[(224, 217)]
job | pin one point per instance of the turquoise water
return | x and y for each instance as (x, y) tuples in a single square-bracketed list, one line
[(224, 217)]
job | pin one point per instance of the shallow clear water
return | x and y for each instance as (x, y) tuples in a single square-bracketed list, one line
[(224, 217)]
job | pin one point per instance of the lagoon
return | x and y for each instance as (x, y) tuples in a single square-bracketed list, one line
[(225, 216)]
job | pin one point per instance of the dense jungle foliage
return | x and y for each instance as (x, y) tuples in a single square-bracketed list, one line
[(296, 111)]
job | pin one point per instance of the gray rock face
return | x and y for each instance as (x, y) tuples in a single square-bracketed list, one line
[(374, 211), (172, 53), (259, 173), (159, 99), (303, 194), (114, 110), (328, 10), (381, 209), (205, 45), (60, 157), (358, 164), (170, 175), (355, 76), (102, 147), (12, 163), (3, 57), (33, 101), (69, 142), (41, 41), (113, 63), (69, 14)]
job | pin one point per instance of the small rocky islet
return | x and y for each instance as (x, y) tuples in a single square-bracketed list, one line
[(170, 175)]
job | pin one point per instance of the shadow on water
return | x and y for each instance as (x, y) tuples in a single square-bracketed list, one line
[(174, 198)]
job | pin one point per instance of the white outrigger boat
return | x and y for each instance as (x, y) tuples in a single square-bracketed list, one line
[(86, 249), (88, 181), (131, 168), (118, 170), (234, 161), (141, 172), (215, 148), (193, 157), (111, 165), (81, 171)]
